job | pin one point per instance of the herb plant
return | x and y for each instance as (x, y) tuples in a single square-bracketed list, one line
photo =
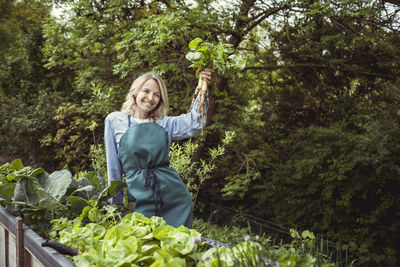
[(195, 173)]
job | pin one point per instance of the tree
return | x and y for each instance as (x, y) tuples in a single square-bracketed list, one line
[(327, 103), (27, 89)]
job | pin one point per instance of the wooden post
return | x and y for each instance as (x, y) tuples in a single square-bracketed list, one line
[(20, 242), (6, 245)]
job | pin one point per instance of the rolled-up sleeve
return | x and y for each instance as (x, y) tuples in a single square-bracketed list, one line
[(114, 167), (185, 125)]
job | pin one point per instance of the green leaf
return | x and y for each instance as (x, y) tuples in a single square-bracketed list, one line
[(7, 191), (98, 231), (102, 180), (5, 166), (165, 259), (11, 177), (194, 43), (17, 164), (36, 172), (25, 192), (86, 210), (110, 190), (193, 56), (77, 203), (241, 64), (57, 183), (178, 241), (95, 215), (219, 256), (124, 252), (48, 201), (307, 234), (94, 179), (85, 190), (117, 233)]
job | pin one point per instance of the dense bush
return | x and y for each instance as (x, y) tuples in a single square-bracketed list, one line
[(77, 127), (23, 125), (341, 180)]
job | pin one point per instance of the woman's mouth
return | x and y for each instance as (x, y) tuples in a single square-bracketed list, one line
[(148, 104)]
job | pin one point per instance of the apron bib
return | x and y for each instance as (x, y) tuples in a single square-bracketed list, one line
[(156, 188)]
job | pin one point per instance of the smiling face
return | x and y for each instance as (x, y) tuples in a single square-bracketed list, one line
[(147, 99)]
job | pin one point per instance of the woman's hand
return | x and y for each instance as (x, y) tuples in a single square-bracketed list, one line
[(207, 75)]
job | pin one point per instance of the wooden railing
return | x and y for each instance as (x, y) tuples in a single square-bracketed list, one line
[(20, 246)]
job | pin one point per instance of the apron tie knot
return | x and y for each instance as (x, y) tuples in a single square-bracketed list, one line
[(152, 181)]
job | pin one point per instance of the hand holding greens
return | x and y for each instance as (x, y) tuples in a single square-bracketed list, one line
[(218, 57)]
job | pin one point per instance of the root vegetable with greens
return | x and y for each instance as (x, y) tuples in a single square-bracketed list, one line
[(205, 55)]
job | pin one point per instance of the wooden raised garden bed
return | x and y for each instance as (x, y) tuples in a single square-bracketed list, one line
[(20, 246)]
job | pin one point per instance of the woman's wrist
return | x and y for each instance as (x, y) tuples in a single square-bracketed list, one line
[(132, 206)]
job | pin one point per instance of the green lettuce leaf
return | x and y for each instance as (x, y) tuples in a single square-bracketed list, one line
[(57, 183)]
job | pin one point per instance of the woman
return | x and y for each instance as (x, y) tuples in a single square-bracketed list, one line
[(137, 141)]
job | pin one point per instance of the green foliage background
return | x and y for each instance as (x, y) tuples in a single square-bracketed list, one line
[(315, 111)]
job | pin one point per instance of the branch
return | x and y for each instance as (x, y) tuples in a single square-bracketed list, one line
[(347, 29), (167, 3), (272, 67), (373, 74), (240, 22), (240, 25), (393, 2), (266, 15)]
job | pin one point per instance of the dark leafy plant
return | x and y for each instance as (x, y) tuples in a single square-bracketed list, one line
[(39, 197)]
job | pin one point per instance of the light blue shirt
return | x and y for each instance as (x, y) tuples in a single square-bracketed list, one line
[(116, 124)]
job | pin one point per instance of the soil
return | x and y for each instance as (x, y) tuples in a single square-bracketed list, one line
[(4, 159), (7, 158)]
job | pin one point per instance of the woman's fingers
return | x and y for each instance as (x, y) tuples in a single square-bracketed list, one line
[(207, 75)]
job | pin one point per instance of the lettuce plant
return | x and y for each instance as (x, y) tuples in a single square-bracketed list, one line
[(135, 241)]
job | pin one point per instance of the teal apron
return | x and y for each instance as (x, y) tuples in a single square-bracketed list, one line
[(156, 188)]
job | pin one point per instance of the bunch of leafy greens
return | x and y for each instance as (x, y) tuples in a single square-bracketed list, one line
[(216, 56)]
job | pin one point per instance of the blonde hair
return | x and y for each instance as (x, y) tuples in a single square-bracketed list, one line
[(130, 100)]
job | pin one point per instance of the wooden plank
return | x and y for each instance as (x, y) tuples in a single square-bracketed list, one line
[(12, 256), (2, 245), (35, 262)]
